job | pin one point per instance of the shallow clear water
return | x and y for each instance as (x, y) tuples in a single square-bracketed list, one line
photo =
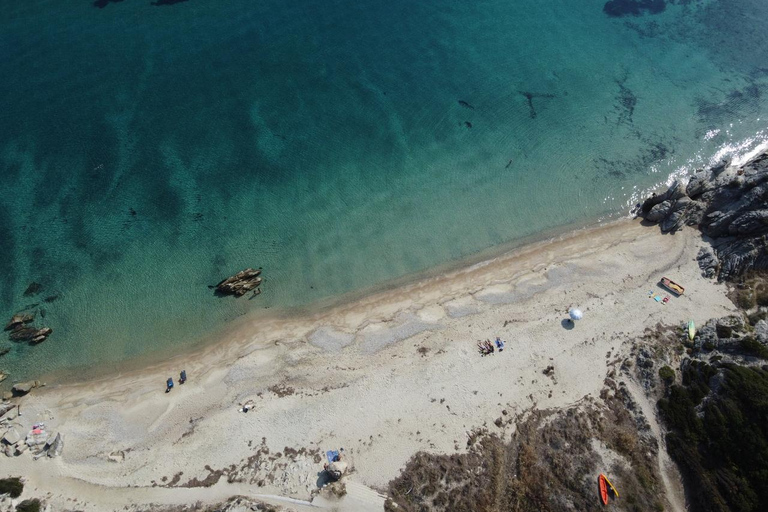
[(148, 151)]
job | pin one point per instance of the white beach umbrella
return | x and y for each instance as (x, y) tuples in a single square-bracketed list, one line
[(575, 314)]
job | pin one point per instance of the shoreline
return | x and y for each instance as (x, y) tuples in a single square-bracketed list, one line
[(153, 360), (221, 334), (383, 377)]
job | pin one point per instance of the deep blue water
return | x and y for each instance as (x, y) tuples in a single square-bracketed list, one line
[(149, 149)]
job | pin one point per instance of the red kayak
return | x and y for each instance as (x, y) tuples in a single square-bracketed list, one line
[(603, 488)]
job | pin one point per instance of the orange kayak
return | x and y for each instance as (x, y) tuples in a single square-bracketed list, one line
[(603, 488)]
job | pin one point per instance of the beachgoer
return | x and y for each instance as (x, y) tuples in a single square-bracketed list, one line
[(169, 385), (183, 377), (499, 344)]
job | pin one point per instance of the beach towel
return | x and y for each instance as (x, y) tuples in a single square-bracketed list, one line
[(333, 456), (657, 298)]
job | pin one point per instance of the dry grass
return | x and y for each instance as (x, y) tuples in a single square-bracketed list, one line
[(548, 466)]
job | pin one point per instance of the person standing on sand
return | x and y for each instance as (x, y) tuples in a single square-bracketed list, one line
[(183, 377)]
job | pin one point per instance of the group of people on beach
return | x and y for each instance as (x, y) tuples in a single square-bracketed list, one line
[(169, 382), (486, 347)]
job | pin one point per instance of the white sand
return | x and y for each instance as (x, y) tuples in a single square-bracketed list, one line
[(359, 380)]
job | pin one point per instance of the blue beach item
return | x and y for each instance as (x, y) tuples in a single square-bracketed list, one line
[(332, 455)]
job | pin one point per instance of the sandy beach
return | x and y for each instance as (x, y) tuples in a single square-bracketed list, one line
[(382, 377)]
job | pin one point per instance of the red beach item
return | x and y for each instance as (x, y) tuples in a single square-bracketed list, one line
[(603, 489)]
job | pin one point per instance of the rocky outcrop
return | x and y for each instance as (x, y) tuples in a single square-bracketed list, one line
[(22, 388), (5, 408), (241, 283), (31, 334), (17, 321), (729, 205), (22, 331), (56, 446)]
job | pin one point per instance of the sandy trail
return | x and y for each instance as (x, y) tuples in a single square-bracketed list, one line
[(383, 377), (670, 476)]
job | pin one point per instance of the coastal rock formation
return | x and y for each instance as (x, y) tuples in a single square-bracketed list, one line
[(730, 206), (31, 334), (56, 446), (241, 283), (17, 321), (5, 408), (22, 388)]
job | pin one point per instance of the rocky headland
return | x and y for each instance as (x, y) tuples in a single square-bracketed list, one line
[(729, 204)]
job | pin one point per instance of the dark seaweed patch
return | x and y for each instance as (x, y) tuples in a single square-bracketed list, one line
[(530, 96), (619, 8), (645, 30), (168, 2), (626, 101), (103, 3), (8, 257), (719, 112), (654, 151)]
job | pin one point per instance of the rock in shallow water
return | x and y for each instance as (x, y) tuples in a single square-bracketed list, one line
[(241, 283), (17, 321), (31, 334)]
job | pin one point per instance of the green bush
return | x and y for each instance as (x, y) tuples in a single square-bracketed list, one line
[(745, 300), (28, 506), (761, 295), (11, 486), (721, 444), (754, 347), (667, 374)]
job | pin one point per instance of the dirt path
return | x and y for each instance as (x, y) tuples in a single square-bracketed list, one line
[(670, 476)]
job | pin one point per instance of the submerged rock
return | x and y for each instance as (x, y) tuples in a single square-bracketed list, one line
[(241, 283), (33, 289)]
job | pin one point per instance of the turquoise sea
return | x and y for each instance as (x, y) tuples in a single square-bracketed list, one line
[(150, 148)]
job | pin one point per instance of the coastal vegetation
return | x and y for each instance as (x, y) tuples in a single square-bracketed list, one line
[(11, 486), (29, 506), (718, 420), (559, 451)]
